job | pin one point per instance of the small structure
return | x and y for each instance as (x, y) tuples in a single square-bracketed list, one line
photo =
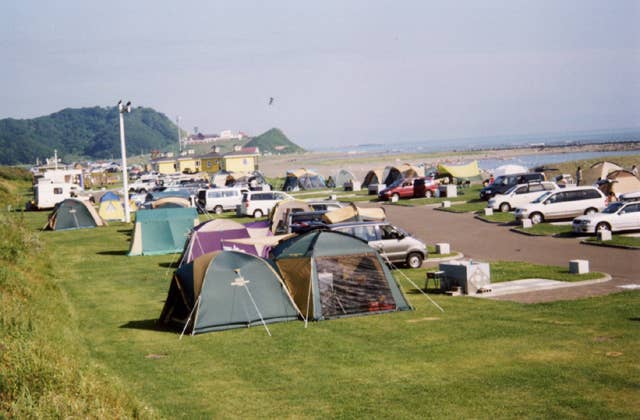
[(162, 231), (224, 290), (74, 214), (469, 275), (303, 179), (579, 266)]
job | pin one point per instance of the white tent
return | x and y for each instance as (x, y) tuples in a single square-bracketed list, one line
[(509, 170)]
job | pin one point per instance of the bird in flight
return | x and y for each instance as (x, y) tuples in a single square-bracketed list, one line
[(271, 100)]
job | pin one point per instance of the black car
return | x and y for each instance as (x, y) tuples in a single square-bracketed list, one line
[(502, 183)]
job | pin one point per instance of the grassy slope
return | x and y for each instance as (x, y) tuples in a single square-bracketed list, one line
[(479, 359)]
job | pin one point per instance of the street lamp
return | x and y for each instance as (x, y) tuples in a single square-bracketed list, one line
[(179, 136), (125, 179)]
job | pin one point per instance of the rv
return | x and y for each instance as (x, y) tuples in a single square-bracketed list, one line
[(46, 194)]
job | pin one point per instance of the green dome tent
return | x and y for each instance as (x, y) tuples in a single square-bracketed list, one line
[(331, 274), (162, 231), (74, 214), (224, 290)]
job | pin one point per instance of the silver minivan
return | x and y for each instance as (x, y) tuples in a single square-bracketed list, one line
[(218, 200), (394, 244), (565, 203)]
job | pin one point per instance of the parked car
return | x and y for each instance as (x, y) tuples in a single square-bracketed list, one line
[(519, 195), (502, 183), (217, 200), (409, 188), (260, 203), (564, 203), (393, 243), (618, 216)]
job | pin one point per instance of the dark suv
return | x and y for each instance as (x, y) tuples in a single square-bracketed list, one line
[(502, 183)]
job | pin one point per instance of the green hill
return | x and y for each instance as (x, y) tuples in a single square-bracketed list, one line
[(274, 141), (84, 133)]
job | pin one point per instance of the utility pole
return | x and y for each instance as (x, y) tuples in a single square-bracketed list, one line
[(125, 178)]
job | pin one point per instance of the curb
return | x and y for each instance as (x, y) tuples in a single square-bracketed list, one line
[(528, 233), (607, 277), (592, 243), (455, 256)]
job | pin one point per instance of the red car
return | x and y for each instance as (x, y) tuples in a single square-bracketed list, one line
[(410, 188)]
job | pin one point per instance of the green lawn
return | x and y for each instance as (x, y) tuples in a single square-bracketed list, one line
[(616, 240), (497, 217), (466, 207), (547, 229), (478, 359)]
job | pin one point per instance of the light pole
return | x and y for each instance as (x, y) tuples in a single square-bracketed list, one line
[(125, 179), (179, 136)]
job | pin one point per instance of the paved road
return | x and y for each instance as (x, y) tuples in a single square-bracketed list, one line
[(490, 242)]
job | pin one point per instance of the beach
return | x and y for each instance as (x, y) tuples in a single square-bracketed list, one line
[(329, 163)]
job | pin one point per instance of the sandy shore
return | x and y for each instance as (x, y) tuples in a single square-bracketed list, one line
[(329, 163)]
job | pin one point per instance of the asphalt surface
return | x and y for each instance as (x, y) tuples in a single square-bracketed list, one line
[(489, 242)]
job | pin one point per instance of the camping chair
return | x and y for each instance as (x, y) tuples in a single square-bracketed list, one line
[(436, 277)]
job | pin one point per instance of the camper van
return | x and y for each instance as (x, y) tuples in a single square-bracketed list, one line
[(218, 200), (47, 194)]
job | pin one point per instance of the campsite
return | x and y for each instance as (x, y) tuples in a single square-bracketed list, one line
[(478, 358)]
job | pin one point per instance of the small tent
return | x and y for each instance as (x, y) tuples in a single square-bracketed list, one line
[(409, 171), (391, 174), (74, 214), (352, 213), (347, 180), (598, 171), (162, 231), (111, 208), (303, 179), (331, 274), (214, 235), (170, 202), (224, 290), (373, 177), (469, 171), (620, 182)]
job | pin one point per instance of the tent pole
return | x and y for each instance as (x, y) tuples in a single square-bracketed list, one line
[(413, 283), (189, 319), (257, 310)]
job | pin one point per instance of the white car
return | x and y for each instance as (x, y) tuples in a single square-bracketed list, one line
[(565, 203), (618, 216), (519, 195), (260, 203)]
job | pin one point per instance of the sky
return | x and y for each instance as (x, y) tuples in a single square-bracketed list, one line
[(339, 72)]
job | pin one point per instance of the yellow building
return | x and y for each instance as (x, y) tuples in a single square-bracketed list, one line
[(164, 165), (244, 160), (188, 164), (211, 162)]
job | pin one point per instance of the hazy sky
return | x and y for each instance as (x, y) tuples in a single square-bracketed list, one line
[(340, 72)]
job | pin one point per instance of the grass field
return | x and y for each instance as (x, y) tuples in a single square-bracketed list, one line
[(479, 359)]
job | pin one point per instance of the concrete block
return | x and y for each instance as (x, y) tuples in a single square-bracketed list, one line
[(333, 197), (446, 204), (579, 266), (604, 235), (488, 211), (394, 198), (526, 223), (443, 248)]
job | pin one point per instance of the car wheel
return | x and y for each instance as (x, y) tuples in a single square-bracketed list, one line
[(428, 194), (414, 260), (603, 227), (536, 218), (257, 214), (505, 207), (590, 210), (217, 209)]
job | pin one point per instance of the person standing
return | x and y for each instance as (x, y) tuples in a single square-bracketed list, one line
[(578, 175)]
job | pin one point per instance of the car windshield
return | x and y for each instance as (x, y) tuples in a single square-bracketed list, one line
[(613, 207), (542, 197)]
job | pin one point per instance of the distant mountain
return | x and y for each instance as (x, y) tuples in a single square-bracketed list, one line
[(92, 133), (274, 141)]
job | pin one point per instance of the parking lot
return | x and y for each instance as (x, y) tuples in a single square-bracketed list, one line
[(492, 242)]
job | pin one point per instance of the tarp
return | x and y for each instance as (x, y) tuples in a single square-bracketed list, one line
[(280, 211), (330, 274), (215, 235), (354, 213), (162, 231), (224, 290), (468, 171), (598, 171), (73, 214)]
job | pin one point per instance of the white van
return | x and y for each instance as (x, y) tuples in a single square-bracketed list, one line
[(217, 200), (260, 203), (565, 203), (519, 195)]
